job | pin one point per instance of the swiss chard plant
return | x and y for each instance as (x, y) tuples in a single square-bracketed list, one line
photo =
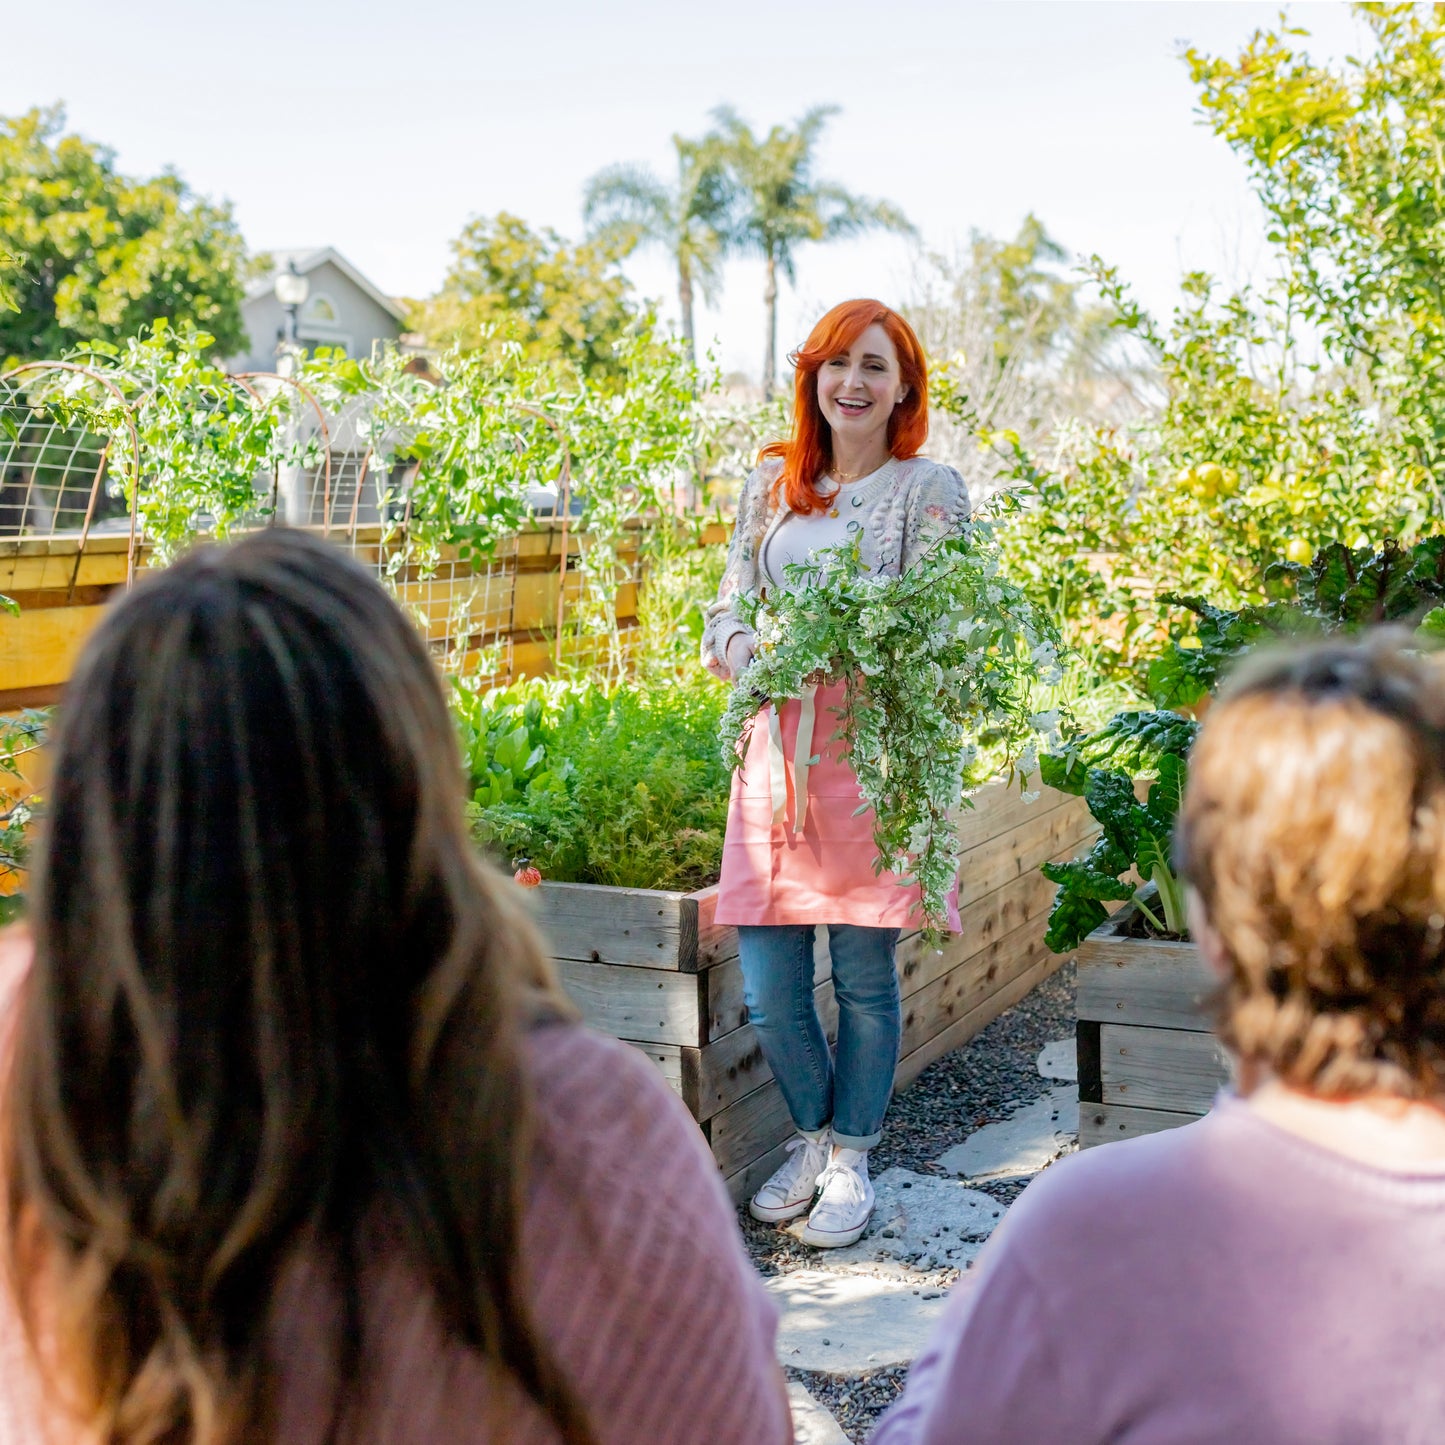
[(1134, 842), (1342, 590)]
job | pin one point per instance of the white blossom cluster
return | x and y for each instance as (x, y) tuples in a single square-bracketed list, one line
[(939, 666)]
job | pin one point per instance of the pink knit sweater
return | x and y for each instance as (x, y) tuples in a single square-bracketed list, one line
[(640, 1287)]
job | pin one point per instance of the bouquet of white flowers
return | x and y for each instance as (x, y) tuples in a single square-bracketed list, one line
[(938, 668)]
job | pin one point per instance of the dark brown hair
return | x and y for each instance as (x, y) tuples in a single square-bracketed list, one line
[(1313, 828), (274, 994)]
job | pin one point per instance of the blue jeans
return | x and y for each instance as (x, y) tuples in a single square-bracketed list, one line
[(777, 963)]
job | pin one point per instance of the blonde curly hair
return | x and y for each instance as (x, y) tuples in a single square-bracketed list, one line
[(1313, 830)]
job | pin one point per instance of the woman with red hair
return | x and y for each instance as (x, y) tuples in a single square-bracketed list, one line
[(798, 853)]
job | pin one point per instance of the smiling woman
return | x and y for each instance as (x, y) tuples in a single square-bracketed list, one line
[(798, 851)]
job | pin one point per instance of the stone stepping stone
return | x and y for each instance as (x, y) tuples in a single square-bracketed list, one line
[(846, 1323), (920, 1224), (1059, 1060), (813, 1424), (1018, 1147)]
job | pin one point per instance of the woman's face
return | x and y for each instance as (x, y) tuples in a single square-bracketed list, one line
[(858, 389)]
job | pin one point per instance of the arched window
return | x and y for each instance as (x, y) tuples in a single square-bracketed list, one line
[(322, 309)]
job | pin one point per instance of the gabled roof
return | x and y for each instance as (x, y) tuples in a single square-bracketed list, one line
[(310, 259)]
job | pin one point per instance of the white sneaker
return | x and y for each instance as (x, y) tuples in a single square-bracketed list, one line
[(845, 1202), (790, 1191)]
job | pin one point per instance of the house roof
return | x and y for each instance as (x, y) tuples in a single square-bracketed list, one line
[(310, 258)]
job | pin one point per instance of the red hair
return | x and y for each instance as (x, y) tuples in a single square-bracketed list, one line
[(810, 452)]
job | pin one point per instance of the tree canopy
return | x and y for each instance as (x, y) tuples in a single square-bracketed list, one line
[(508, 282), (627, 205), (781, 204), (95, 255)]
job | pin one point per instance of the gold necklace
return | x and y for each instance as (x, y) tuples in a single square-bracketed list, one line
[(843, 478)]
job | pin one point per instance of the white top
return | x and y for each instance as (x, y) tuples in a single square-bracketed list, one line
[(799, 537)]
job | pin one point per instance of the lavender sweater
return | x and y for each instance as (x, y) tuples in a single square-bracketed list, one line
[(1226, 1281)]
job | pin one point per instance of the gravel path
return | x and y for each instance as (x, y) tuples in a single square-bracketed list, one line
[(978, 1084)]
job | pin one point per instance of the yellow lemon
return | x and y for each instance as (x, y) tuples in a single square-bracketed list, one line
[(1298, 550)]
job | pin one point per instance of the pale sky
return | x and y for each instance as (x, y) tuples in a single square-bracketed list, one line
[(380, 128)]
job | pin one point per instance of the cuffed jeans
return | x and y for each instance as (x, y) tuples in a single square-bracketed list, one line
[(853, 1093)]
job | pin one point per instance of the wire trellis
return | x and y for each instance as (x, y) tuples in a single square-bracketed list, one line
[(526, 608)]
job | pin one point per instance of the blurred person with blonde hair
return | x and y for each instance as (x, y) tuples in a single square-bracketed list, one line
[(1276, 1271)]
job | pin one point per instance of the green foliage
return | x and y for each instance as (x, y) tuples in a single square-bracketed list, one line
[(20, 733), (626, 206), (938, 667), (1342, 590), (1133, 836), (204, 442), (1131, 743), (558, 301), (1349, 165), (99, 256), (629, 790), (1310, 412), (780, 204)]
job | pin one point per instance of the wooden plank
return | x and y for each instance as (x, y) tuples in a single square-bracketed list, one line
[(975, 1020), (642, 926), (39, 648), (933, 1010), (1171, 1069), (1145, 981), (757, 1123), (1012, 854), (641, 1005), (746, 1182), (1104, 1123), (983, 921), (716, 942), (1000, 807), (668, 1058), (721, 1072)]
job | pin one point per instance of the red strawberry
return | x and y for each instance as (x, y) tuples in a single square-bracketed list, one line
[(524, 873)]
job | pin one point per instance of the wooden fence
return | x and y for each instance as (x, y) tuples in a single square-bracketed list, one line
[(495, 618)]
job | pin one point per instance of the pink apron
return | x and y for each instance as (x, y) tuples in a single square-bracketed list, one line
[(772, 873)]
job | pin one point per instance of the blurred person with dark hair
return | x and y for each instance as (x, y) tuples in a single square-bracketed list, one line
[(302, 1141), (1276, 1271)]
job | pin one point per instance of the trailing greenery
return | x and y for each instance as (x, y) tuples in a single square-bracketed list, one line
[(623, 787), (938, 667)]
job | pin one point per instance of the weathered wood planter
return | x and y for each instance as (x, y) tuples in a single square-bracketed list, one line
[(1148, 1058), (654, 969)]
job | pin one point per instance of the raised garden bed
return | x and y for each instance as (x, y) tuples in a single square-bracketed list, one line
[(1148, 1058), (653, 968)]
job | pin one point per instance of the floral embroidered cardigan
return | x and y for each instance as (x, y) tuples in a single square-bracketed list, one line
[(910, 505)]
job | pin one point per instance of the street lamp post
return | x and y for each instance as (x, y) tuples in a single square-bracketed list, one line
[(291, 289)]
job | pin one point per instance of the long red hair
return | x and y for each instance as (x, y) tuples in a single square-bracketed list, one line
[(810, 452)]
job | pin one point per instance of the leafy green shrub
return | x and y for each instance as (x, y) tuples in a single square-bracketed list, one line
[(1135, 838), (629, 788), (1342, 590)]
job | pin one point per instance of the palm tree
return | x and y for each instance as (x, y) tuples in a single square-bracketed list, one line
[(781, 204), (630, 206)]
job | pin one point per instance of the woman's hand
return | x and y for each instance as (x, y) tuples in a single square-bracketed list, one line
[(739, 652)]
